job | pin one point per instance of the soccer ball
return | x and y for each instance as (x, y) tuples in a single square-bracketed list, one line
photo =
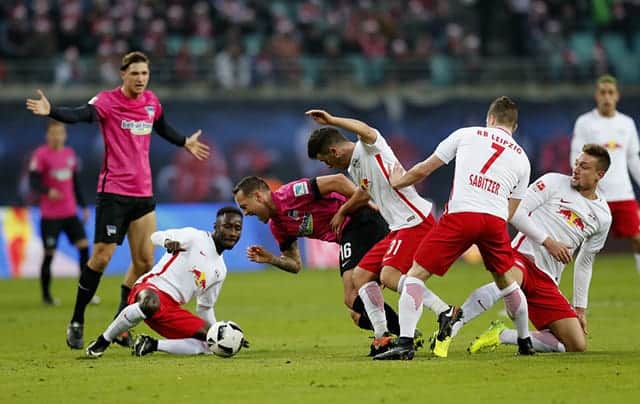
[(225, 338)]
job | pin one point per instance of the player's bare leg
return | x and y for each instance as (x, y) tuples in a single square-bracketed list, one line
[(517, 309), (87, 286)]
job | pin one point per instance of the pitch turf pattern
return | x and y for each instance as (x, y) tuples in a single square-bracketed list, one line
[(304, 348)]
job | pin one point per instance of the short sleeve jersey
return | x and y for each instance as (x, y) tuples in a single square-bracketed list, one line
[(370, 167), (490, 168), (126, 126)]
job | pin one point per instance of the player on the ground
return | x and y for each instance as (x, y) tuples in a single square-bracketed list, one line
[(369, 161), (606, 126), (491, 177), (193, 266), (572, 211), (125, 204), (53, 174), (304, 208)]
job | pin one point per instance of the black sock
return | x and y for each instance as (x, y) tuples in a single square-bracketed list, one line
[(358, 307), (45, 276), (124, 296), (84, 257), (89, 281), (393, 323)]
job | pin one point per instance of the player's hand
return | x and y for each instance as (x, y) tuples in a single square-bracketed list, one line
[(558, 250), (337, 221), (582, 318), (173, 247), (85, 215), (259, 254), (320, 116), (54, 194), (195, 147), (396, 174), (39, 107)]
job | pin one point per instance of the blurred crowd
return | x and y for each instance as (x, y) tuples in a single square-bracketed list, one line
[(249, 43)]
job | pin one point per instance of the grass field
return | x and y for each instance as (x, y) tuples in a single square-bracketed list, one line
[(305, 349)]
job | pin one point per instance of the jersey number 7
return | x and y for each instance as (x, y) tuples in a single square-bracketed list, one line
[(498, 151)]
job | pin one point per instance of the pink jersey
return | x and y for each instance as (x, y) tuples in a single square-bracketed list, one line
[(57, 168), (303, 213), (126, 125)]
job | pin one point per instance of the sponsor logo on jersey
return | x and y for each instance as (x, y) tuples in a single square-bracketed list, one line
[(300, 189), (306, 226), (612, 145), (294, 214), (199, 277), (364, 184), (138, 128), (571, 218), (62, 174)]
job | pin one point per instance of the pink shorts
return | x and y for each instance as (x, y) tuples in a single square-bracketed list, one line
[(171, 320), (397, 248), (546, 303), (625, 219), (456, 232)]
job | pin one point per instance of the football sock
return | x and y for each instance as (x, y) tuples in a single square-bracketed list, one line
[(371, 296), (83, 257), (543, 341), (186, 346), (45, 276), (365, 323), (410, 305), (637, 257), (432, 301), (517, 309), (479, 301), (128, 318), (87, 286), (124, 296)]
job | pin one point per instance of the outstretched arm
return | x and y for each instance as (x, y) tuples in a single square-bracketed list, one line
[(400, 179), (336, 183), (42, 107), (365, 133), (198, 149)]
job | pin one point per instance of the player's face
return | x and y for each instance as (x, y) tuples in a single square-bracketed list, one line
[(586, 173), (56, 136), (227, 230), (135, 79), (253, 205), (333, 159), (607, 97)]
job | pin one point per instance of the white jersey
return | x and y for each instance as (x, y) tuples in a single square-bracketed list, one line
[(619, 136), (566, 216), (199, 271), (369, 168), (490, 168)]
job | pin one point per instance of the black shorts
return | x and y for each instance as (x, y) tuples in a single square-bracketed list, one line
[(50, 231), (115, 212), (363, 231)]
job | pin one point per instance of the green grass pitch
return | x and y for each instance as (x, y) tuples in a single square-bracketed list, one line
[(305, 349)]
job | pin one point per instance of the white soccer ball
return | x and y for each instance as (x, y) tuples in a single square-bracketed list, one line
[(225, 338)]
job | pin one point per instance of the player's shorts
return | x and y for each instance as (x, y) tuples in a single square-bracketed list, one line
[(115, 212), (363, 231), (50, 231), (546, 303), (171, 320), (456, 232), (397, 248), (625, 223)]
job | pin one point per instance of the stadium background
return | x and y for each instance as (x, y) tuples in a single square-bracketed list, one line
[(245, 72)]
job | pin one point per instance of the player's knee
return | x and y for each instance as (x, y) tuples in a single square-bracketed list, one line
[(143, 264), (576, 343), (99, 260), (149, 302)]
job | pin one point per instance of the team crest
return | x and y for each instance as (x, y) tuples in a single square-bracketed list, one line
[(151, 111)]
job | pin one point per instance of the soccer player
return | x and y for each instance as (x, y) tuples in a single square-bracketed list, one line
[(606, 126), (491, 177), (125, 203), (193, 266), (571, 210), (369, 161), (53, 174), (304, 208)]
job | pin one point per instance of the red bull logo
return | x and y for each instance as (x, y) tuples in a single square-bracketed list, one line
[(572, 219), (364, 184), (612, 145), (199, 277)]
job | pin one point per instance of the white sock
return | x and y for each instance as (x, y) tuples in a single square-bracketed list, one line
[(401, 283), (432, 301), (637, 257), (128, 318), (479, 301), (543, 341), (373, 300), (186, 346), (517, 308), (410, 305)]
